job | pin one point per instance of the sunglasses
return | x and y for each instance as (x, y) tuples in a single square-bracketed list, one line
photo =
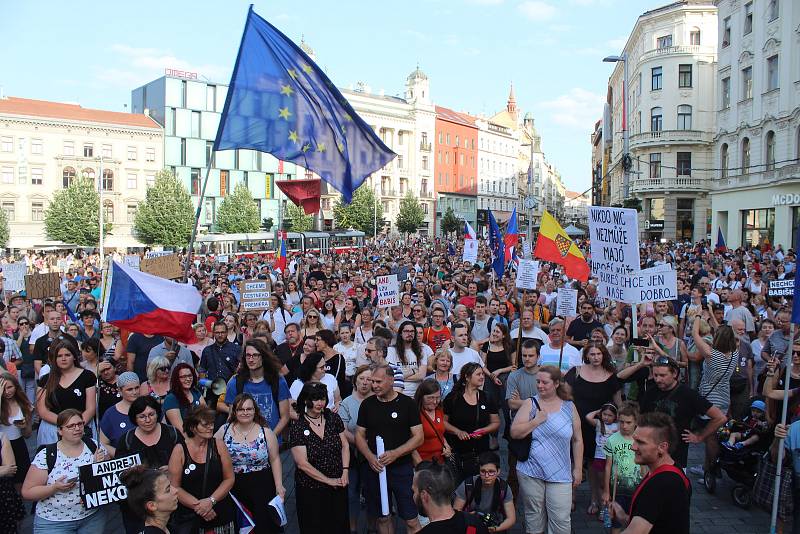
[(23, 323), (163, 369), (662, 361)]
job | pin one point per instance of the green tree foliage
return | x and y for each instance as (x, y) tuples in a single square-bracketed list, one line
[(411, 215), (4, 232), (237, 213), (451, 223), (73, 215), (360, 213), (166, 217), (297, 218)]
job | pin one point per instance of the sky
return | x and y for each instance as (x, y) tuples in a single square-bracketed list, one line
[(94, 53)]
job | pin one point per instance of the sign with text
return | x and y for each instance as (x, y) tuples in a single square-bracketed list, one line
[(133, 261), (156, 253), (388, 291), (470, 251), (527, 274), (40, 286), (100, 483), (567, 302), (648, 285), (63, 265), (222, 258), (255, 294), (781, 288), (165, 266), (526, 249), (14, 275), (614, 235)]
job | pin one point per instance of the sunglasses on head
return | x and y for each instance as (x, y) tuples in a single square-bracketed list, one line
[(662, 361)]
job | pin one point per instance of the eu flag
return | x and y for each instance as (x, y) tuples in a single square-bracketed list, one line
[(796, 297), (497, 246), (280, 102)]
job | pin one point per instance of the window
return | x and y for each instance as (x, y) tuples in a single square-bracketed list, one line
[(195, 179), (747, 83), (37, 211), (723, 160), (684, 164), (447, 158), (131, 212), (400, 138), (664, 42), (748, 18), (684, 75), (657, 209), (224, 183), (37, 176), (462, 160), (67, 176), (107, 151), (108, 180), (132, 181), (131, 153), (400, 162), (10, 209), (6, 144), (726, 92), (149, 180), (425, 208), (772, 73), (440, 138), (211, 97), (684, 117), (694, 37), (195, 129), (726, 32), (149, 154), (773, 10), (183, 93), (655, 165), (88, 174), (36, 147), (448, 139), (656, 122), (770, 150), (88, 150), (457, 142), (745, 155), (424, 163), (183, 151), (684, 220), (7, 175), (655, 78), (108, 211), (69, 148), (757, 226)]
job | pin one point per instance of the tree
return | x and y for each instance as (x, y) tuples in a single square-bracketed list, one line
[(451, 223), (4, 232), (410, 216), (73, 215), (360, 213), (267, 223), (297, 218), (166, 216), (237, 213)]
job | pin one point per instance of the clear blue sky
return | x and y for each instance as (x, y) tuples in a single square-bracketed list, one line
[(95, 52)]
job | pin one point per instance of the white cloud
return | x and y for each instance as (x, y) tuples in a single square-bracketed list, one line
[(578, 109), (138, 65), (486, 2), (537, 10)]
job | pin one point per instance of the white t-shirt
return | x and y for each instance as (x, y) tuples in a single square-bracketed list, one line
[(411, 367), (327, 379), (349, 354), (533, 333), (571, 358), (460, 359)]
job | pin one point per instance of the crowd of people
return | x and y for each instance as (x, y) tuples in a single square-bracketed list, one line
[(465, 375)]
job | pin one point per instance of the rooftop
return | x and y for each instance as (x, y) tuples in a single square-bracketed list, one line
[(454, 116), (26, 107)]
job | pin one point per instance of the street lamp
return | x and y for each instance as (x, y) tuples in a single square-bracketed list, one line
[(626, 159)]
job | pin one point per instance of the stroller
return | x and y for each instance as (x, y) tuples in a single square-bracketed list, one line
[(741, 466)]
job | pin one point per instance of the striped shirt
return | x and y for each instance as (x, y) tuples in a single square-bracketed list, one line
[(549, 459), (718, 370)]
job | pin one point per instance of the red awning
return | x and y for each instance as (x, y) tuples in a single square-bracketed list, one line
[(304, 193)]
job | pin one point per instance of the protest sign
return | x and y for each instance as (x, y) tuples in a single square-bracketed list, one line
[(388, 291), (63, 265), (14, 275), (526, 250), (470, 251), (567, 302), (255, 294), (222, 258), (163, 266), (132, 261), (100, 484), (649, 285), (527, 274), (781, 288), (156, 253), (40, 286), (614, 234)]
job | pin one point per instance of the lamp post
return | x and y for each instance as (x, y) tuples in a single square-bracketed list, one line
[(626, 161), (100, 194)]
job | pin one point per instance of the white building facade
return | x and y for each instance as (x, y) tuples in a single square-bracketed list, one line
[(756, 193), (671, 61), (498, 147), (44, 146)]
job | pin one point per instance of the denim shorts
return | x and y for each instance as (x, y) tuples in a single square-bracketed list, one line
[(93, 524)]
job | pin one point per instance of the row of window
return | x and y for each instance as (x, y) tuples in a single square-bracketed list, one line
[(498, 204), (772, 13), (772, 81), (501, 148), (458, 204), (68, 149), (684, 121), (461, 160), (463, 181), (504, 186), (746, 164), (466, 142), (684, 77), (68, 175), (38, 209), (665, 41), (683, 164)]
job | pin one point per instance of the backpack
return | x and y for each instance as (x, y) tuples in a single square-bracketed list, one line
[(472, 492), (51, 451)]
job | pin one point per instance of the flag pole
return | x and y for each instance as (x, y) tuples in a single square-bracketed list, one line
[(196, 221), (515, 363), (787, 360)]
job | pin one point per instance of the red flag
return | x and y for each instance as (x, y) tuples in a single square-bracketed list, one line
[(304, 193)]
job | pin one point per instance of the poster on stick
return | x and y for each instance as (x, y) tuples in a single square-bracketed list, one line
[(255, 294), (163, 266), (14, 276), (781, 288), (567, 302), (470, 251), (649, 285), (614, 234), (527, 274), (41, 286), (388, 291)]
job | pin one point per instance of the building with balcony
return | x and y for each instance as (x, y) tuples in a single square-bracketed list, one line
[(456, 149), (576, 208), (44, 146), (755, 194), (671, 60)]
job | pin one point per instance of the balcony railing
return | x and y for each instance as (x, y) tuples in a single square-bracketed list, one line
[(426, 194), (425, 146), (678, 49), (662, 137), (679, 183), (387, 192)]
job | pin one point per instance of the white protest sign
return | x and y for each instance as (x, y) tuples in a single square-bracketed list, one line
[(388, 291), (14, 274), (527, 274), (62, 265), (649, 285), (567, 302), (222, 258), (100, 483), (157, 253), (526, 249), (133, 261), (614, 234), (470, 251)]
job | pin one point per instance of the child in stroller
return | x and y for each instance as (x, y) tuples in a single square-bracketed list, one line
[(753, 431)]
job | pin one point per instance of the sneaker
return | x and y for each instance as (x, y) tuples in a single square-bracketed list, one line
[(696, 470)]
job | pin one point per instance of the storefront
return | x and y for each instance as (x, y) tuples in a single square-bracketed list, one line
[(757, 215), (675, 218)]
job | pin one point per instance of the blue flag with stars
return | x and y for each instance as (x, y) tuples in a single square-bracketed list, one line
[(497, 246), (280, 102)]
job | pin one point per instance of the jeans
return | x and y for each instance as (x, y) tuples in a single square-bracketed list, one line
[(93, 524), (29, 386)]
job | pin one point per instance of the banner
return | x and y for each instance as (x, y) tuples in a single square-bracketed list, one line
[(526, 249), (777, 288), (567, 302), (470, 251), (388, 291), (156, 253), (100, 484), (527, 274), (614, 234), (255, 295), (222, 259), (649, 285), (14, 276)]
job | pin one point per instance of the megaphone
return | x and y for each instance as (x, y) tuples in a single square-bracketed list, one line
[(217, 386)]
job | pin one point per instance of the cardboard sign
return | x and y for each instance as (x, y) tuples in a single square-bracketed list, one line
[(41, 286), (567, 302), (133, 261), (779, 288), (527, 274), (255, 294), (388, 291), (614, 234), (470, 251), (648, 285), (14, 274), (100, 484), (163, 266)]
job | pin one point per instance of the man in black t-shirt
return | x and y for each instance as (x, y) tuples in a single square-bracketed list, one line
[(580, 330), (433, 491), (138, 351), (42, 345), (660, 504), (291, 348), (394, 418)]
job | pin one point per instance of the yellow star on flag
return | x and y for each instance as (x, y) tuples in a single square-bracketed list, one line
[(344, 130), (284, 113), (292, 73), (307, 68), (286, 90), (347, 117), (320, 147), (340, 146), (306, 147), (293, 137)]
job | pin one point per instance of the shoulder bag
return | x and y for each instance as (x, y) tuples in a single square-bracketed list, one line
[(521, 448)]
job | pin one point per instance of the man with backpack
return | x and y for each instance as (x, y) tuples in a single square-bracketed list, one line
[(487, 496), (433, 490)]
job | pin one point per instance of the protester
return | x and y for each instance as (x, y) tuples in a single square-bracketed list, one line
[(313, 370), (434, 446), (16, 417), (442, 363), (622, 474), (151, 496), (115, 422), (432, 489), (183, 396), (158, 383), (557, 351), (487, 496)]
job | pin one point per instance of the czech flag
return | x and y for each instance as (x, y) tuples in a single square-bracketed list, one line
[(720, 241), (469, 232), (553, 244), (511, 238), (147, 304), (280, 263)]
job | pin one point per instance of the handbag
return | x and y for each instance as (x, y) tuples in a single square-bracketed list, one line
[(764, 488), (447, 461), (521, 448)]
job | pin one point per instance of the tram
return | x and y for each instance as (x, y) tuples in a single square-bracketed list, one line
[(265, 244)]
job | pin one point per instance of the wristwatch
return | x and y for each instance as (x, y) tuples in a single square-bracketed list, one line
[(213, 501)]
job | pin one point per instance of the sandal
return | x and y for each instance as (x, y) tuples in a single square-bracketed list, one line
[(593, 509)]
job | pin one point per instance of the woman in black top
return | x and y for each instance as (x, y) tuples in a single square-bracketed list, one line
[(151, 496), (469, 417)]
